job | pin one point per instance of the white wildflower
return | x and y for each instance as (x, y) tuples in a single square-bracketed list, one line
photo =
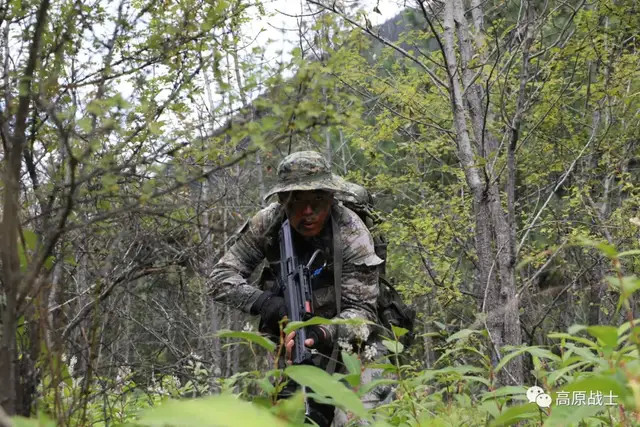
[(370, 352), (158, 389), (344, 344), (123, 373), (248, 327), (72, 363), (361, 332)]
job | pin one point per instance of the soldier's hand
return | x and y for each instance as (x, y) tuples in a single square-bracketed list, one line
[(272, 309), (290, 342), (320, 337)]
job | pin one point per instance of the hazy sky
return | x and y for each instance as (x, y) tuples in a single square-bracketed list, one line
[(278, 33), (281, 24)]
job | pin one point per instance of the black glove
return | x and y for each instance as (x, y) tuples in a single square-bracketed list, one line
[(321, 338), (271, 309)]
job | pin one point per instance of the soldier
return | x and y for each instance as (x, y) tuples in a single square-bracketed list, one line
[(305, 190)]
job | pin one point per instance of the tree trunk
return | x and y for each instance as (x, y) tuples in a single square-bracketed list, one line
[(495, 243)]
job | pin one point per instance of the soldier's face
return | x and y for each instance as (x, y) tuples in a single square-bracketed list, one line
[(307, 210)]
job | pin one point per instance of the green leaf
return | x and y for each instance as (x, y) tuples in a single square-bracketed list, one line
[(395, 347), (571, 415), (464, 333), (85, 124), (574, 329), (381, 423), (155, 128), (265, 385), (585, 353), (325, 385), (291, 409), (607, 335), (352, 379), (443, 357), (30, 239), (517, 413), (366, 388), (625, 336), (95, 107), (509, 390), (629, 253), (603, 247), (387, 367), (462, 369), (624, 328), (490, 407), (457, 372), (221, 410), (43, 421), (440, 325), (627, 285), (535, 351), (559, 373), (254, 337), (473, 378), (352, 363), (398, 331), (585, 341), (292, 326), (48, 262)]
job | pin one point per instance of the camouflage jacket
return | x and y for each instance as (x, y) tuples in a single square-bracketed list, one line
[(258, 240)]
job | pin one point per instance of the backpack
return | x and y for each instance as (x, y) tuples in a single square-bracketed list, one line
[(392, 310)]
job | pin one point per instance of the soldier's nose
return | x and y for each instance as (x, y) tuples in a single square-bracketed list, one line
[(308, 210)]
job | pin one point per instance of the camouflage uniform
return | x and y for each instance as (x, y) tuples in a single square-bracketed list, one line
[(259, 240)]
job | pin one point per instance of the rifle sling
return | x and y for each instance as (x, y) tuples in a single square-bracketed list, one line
[(337, 282)]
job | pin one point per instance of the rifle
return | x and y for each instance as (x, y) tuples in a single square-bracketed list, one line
[(295, 280)]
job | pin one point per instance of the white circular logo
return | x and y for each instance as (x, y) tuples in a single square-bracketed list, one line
[(543, 400), (533, 393)]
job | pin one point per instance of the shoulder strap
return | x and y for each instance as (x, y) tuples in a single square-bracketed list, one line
[(337, 261), (337, 280)]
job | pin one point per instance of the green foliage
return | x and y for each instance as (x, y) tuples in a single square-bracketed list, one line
[(326, 388), (292, 326), (142, 158), (222, 410), (453, 393), (249, 336)]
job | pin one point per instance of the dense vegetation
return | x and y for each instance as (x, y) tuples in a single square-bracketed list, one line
[(498, 138)]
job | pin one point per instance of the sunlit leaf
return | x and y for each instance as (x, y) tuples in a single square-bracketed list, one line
[(292, 326), (395, 347), (325, 385), (220, 410), (515, 414), (254, 337), (464, 333)]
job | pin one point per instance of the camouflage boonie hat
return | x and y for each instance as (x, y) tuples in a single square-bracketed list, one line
[(305, 171)]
